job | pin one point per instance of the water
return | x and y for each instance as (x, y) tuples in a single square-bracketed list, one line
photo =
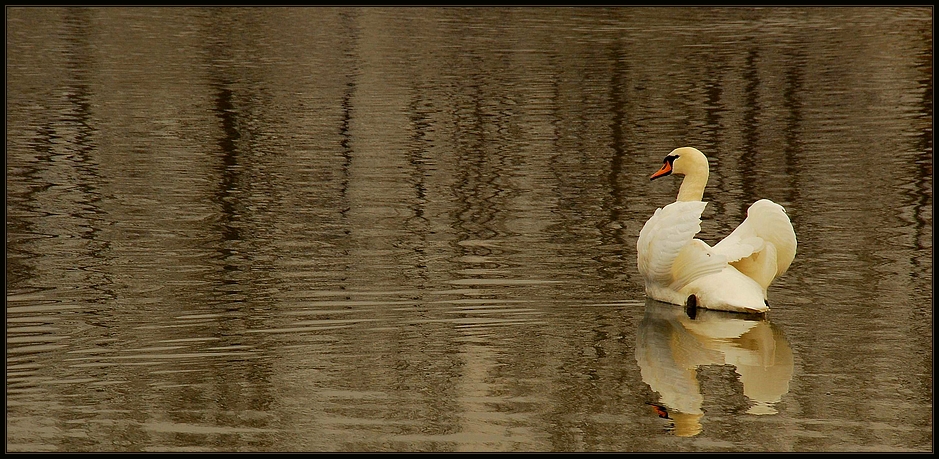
[(345, 229)]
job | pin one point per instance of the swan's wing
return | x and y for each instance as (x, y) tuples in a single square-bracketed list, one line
[(764, 245), (666, 239), (664, 235)]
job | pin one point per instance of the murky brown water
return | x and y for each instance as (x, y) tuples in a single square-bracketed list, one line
[(414, 229)]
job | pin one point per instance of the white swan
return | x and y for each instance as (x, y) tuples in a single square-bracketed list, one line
[(734, 274)]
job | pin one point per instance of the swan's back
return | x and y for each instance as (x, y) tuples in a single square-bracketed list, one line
[(669, 257)]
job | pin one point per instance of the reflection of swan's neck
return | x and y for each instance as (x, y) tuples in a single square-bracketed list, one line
[(687, 425), (692, 187)]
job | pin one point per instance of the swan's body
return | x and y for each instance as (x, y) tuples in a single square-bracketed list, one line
[(735, 273)]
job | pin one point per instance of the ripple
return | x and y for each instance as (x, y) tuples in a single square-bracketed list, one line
[(504, 282)]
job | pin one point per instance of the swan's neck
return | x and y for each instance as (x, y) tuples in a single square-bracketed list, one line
[(692, 187)]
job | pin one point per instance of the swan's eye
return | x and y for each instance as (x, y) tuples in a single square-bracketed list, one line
[(670, 159)]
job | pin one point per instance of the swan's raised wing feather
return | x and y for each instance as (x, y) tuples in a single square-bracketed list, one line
[(747, 247), (667, 237)]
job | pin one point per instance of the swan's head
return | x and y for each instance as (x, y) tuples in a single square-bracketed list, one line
[(683, 161)]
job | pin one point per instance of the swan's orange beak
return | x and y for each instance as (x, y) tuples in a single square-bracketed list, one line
[(665, 170)]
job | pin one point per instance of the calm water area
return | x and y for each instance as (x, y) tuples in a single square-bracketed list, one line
[(414, 229)]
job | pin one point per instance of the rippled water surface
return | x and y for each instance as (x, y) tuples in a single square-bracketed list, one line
[(345, 229)]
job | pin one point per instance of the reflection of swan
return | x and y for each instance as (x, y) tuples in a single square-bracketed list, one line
[(731, 276), (671, 346)]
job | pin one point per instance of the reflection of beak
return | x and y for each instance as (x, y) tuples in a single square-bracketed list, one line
[(660, 410), (665, 170)]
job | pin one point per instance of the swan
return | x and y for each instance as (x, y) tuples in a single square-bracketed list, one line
[(735, 273)]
